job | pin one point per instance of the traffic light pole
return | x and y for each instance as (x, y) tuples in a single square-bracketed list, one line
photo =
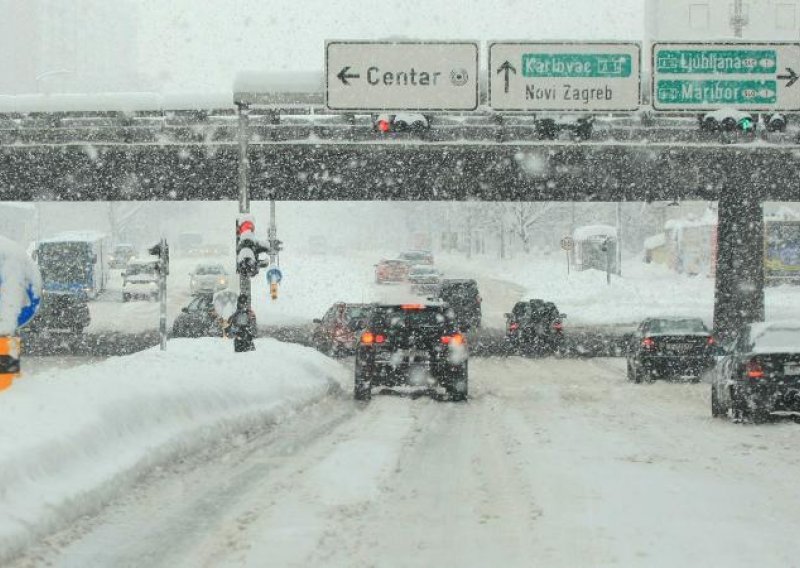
[(162, 294), (244, 187)]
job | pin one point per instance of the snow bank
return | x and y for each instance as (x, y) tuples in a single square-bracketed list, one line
[(72, 439)]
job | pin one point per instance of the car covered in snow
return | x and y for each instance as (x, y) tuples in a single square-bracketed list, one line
[(336, 332), (140, 280), (208, 277), (462, 295), (424, 278), (121, 255), (391, 271), (535, 326), (760, 372), (411, 345), (198, 318), (417, 257), (670, 347)]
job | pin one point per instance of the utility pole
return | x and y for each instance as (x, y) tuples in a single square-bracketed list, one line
[(738, 18), (618, 214), (244, 188)]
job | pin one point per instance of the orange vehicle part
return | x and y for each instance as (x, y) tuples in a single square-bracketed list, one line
[(9, 360)]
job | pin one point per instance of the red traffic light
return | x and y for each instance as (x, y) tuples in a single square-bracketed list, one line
[(246, 226)]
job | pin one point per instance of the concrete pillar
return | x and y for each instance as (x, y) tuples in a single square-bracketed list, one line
[(739, 286)]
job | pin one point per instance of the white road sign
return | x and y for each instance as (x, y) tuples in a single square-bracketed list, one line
[(541, 76), (387, 75), (707, 76)]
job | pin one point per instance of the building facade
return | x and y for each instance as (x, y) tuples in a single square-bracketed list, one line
[(692, 20)]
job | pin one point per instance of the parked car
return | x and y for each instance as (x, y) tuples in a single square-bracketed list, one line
[(670, 347), (140, 280), (121, 255), (391, 271), (208, 277), (424, 279), (462, 295), (336, 332), (417, 257), (535, 326), (417, 345), (759, 373), (61, 313), (198, 319)]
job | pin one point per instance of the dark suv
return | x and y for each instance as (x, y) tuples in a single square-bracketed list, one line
[(535, 326), (463, 297), (411, 344)]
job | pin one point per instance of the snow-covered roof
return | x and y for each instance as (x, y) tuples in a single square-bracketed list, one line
[(708, 219), (114, 102), (594, 231), (75, 236), (655, 241)]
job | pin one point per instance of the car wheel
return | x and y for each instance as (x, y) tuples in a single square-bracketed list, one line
[(629, 372), (362, 389), (717, 410), (457, 384), (637, 375), (126, 297)]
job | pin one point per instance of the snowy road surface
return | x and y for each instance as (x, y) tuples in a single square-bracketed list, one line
[(551, 463)]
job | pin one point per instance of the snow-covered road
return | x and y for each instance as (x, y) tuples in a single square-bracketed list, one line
[(551, 463)]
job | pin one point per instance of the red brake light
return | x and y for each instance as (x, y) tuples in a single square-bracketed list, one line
[(455, 339), (648, 343), (380, 338), (367, 338), (710, 341), (513, 326), (754, 370), (383, 125), (412, 306), (558, 326)]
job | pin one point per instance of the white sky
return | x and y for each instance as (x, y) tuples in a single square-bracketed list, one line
[(198, 45)]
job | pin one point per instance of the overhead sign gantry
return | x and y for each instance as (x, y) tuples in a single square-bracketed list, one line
[(401, 75), (564, 76), (706, 76)]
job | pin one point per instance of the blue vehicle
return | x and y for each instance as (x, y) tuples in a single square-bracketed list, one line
[(74, 263)]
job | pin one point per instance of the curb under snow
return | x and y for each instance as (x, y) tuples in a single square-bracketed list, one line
[(72, 440)]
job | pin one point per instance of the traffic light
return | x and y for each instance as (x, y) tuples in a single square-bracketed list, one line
[(246, 247), (728, 120), (402, 122), (161, 250)]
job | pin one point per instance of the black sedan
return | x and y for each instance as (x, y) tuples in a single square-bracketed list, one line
[(535, 326), (665, 348), (759, 374), (198, 319)]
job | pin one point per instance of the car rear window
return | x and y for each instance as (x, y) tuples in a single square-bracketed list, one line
[(688, 325), (777, 339), (411, 318), (203, 270)]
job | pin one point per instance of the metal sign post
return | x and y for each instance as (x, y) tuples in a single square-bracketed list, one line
[(707, 76), (401, 75), (567, 244), (244, 188), (564, 76)]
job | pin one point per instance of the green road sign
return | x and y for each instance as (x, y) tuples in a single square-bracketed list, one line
[(711, 92), (749, 76), (576, 65), (717, 61)]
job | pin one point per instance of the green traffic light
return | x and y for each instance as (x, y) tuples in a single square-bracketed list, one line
[(745, 124)]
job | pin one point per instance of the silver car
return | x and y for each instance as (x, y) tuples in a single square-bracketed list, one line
[(208, 278)]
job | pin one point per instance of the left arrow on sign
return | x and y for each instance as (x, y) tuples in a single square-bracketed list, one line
[(344, 76)]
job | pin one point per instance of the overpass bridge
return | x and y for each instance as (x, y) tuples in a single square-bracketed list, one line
[(298, 151)]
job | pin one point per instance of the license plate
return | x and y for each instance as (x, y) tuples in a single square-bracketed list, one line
[(682, 347), (791, 369)]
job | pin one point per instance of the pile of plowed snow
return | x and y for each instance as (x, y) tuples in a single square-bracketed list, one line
[(72, 439)]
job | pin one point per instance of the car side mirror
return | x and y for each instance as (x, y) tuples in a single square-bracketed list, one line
[(562, 316), (185, 310), (507, 315), (316, 320)]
